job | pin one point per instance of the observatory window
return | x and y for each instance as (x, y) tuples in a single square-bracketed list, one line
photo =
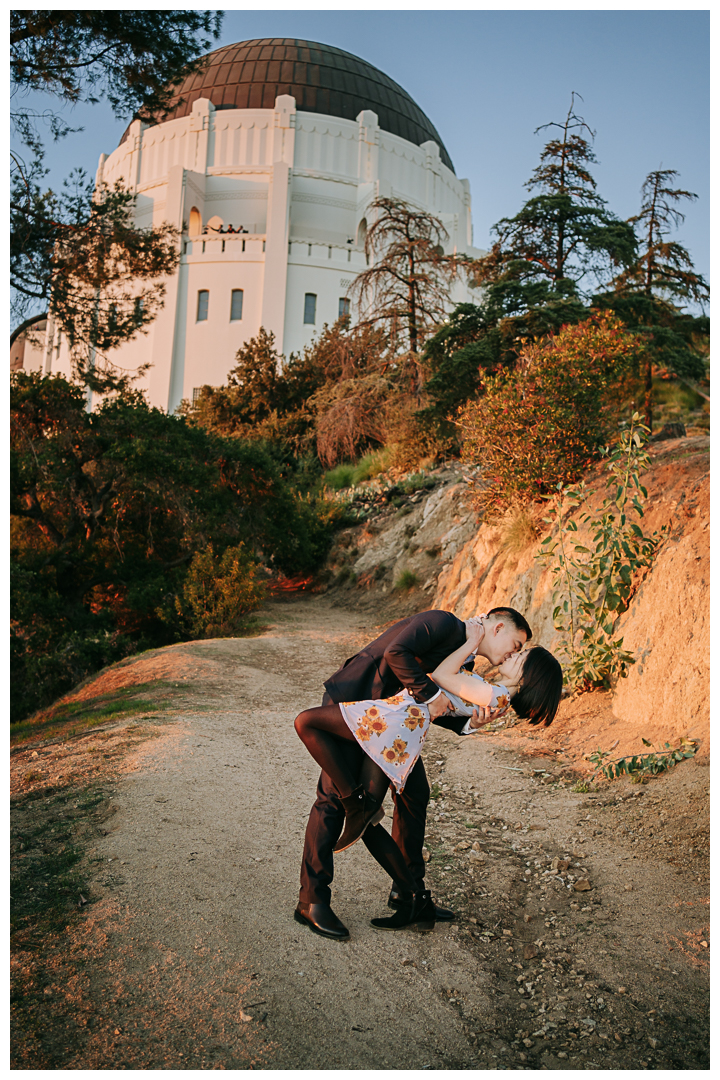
[(343, 307), (202, 308), (310, 306), (236, 303)]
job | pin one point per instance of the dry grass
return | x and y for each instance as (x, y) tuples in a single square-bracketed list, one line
[(520, 528)]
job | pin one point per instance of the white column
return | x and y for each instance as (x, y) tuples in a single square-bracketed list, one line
[(100, 170), (367, 146), (201, 141), (278, 220), (134, 150), (49, 342), (168, 328), (432, 170), (468, 230)]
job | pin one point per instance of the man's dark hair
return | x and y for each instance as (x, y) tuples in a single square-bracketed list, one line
[(541, 682), (512, 616)]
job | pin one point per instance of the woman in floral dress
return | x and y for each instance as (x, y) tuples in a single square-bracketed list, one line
[(392, 732)]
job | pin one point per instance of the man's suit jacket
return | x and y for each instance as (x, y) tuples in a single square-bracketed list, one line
[(401, 657)]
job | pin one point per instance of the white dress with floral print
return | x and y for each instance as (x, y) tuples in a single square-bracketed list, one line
[(392, 731)]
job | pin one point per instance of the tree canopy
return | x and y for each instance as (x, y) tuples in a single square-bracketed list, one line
[(405, 289), (109, 510), (558, 249), (129, 57), (650, 294), (77, 254)]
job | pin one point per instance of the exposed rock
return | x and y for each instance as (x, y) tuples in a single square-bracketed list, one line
[(666, 694)]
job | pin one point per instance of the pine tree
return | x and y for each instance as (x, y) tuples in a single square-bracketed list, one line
[(562, 241), (650, 292)]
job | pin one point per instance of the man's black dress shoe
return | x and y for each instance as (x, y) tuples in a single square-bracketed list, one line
[(396, 898), (322, 920)]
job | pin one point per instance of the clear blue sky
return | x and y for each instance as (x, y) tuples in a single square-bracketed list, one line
[(487, 79)]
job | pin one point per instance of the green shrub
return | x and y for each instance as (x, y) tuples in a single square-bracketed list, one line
[(372, 464), (406, 581), (108, 511), (340, 477), (593, 586), (219, 592)]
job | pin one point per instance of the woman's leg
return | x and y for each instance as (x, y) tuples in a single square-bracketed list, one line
[(320, 730)]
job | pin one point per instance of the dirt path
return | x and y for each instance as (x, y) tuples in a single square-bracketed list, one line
[(191, 958)]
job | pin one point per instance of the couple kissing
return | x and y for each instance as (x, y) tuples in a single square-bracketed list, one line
[(369, 732)]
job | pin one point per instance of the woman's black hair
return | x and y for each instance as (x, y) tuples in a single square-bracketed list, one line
[(538, 696)]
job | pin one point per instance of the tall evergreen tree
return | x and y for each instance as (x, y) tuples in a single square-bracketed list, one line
[(650, 293), (562, 242), (538, 275)]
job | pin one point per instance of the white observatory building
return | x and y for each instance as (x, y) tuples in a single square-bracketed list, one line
[(268, 164)]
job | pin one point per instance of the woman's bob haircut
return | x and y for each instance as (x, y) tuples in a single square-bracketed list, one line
[(538, 697)]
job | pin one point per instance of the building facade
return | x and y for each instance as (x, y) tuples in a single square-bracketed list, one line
[(268, 165)]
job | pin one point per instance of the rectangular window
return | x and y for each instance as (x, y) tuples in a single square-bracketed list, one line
[(197, 391), (202, 307), (236, 303), (310, 306), (343, 307)]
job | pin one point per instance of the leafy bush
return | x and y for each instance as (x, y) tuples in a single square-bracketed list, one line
[(219, 592), (640, 766), (108, 510), (593, 586), (546, 421), (350, 417)]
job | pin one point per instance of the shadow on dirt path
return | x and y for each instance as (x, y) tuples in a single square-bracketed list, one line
[(187, 955)]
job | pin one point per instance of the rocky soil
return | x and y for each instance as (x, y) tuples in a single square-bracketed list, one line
[(581, 939)]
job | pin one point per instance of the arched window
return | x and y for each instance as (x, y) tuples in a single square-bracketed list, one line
[(202, 305), (236, 305), (310, 308), (195, 222), (362, 233)]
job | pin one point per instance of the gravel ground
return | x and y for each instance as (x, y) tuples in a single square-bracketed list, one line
[(581, 939)]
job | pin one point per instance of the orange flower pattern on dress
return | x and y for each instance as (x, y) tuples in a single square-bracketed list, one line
[(395, 754), (414, 718), (502, 701), (377, 726)]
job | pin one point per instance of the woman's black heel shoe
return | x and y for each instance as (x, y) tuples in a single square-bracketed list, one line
[(419, 913), (361, 811)]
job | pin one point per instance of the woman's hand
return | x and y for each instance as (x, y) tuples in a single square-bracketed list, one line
[(474, 633), (482, 717)]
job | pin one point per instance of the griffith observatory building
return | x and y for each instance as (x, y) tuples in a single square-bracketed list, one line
[(267, 165)]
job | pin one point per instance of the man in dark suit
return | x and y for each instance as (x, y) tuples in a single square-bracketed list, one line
[(400, 658)]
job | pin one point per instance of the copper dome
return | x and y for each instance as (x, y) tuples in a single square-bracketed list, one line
[(321, 78)]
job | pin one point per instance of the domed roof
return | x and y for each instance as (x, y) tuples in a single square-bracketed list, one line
[(321, 78)]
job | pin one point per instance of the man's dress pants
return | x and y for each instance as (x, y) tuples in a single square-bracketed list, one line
[(327, 817)]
